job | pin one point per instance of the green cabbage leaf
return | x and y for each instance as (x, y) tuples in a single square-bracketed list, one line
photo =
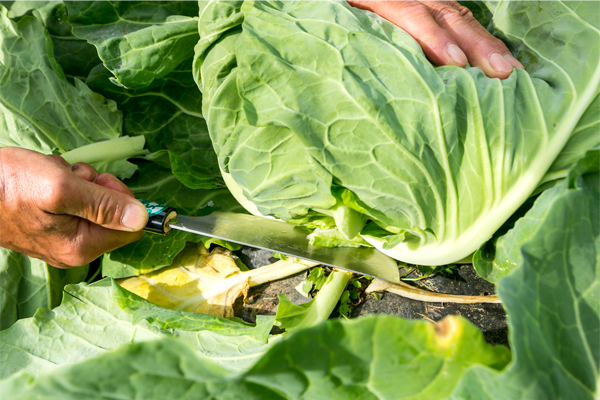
[(337, 360), (27, 284), (96, 318), (168, 113), (551, 296), (551, 301), (438, 158), (39, 109), (138, 41)]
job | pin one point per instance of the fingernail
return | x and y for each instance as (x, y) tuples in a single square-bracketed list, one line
[(513, 61), (134, 217), (499, 63), (456, 54)]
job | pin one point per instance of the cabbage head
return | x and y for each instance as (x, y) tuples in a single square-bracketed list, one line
[(327, 116)]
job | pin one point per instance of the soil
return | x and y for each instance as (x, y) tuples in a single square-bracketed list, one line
[(490, 318)]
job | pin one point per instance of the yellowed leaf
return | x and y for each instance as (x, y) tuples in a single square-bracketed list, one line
[(205, 282), (194, 282)]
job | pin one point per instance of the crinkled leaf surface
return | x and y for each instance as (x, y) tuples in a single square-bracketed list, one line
[(273, 155), (153, 251), (27, 284), (552, 300), (169, 114), (76, 56), (138, 41), (444, 155), (339, 360), (89, 322), (39, 109)]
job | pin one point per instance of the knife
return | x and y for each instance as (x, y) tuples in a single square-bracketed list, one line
[(272, 235)]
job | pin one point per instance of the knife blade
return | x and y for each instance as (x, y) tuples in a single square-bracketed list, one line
[(272, 235)]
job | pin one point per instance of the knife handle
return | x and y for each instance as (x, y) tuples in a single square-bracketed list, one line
[(158, 217)]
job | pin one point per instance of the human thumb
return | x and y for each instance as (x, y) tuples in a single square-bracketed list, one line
[(103, 206)]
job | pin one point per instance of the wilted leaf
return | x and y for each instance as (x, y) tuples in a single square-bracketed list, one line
[(197, 281)]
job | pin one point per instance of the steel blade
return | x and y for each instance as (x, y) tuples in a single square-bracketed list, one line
[(280, 237)]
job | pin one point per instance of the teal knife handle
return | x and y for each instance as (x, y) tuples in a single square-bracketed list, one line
[(159, 216)]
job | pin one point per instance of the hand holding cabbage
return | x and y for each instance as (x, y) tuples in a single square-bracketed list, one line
[(368, 140), (448, 34)]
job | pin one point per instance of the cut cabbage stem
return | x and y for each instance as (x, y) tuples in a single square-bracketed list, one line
[(107, 150), (292, 317), (279, 270), (411, 292), (327, 298)]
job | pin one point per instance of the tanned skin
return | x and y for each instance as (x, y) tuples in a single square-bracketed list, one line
[(448, 34), (66, 215)]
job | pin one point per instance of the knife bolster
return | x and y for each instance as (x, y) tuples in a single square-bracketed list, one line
[(159, 223)]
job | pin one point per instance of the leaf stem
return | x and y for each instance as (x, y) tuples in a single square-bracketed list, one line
[(107, 150)]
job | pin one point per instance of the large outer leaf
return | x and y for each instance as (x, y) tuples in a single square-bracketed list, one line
[(27, 284), (39, 109), (138, 41), (443, 154), (153, 251), (338, 360), (552, 303), (76, 56), (552, 300), (89, 322), (271, 153), (22, 281), (586, 135), (169, 114), (503, 254)]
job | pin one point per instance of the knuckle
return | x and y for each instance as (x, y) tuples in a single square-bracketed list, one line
[(483, 45), (447, 14), (84, 171), (500, 45), (53, 191), (413, 10), (416, 5), (466, 14)]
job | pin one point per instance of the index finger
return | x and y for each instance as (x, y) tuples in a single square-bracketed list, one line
[(480, 50), (468, 16)]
